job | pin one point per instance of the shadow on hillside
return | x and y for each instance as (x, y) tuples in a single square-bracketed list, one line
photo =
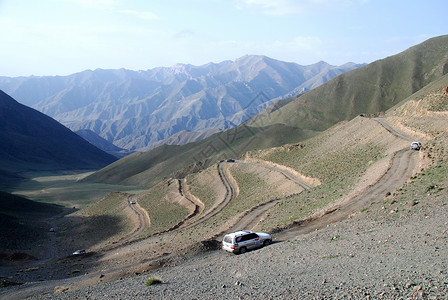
[(9, 180), (19, 233), (23, 222), (89, 231), (57, 261)]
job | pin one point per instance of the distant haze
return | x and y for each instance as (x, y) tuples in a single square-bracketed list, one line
[(176, 105), (48, 37)]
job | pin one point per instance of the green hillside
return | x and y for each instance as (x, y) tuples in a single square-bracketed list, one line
[(369, 90), (178, 161)]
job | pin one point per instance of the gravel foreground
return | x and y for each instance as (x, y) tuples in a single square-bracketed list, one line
[(384, 252)]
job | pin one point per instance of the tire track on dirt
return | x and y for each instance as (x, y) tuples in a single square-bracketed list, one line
[(144, 222), (198, 207), (253, 216), (231, 193), (403, 165)]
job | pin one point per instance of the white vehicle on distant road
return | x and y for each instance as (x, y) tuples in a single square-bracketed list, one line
[(241, 241), (416, 146)]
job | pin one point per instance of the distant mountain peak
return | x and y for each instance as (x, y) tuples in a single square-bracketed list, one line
[(138, 109)]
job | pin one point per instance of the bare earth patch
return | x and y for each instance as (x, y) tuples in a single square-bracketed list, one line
[(356, 256)]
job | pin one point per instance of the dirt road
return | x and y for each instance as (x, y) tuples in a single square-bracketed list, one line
[(231, 193), (143, 224), (392, 130), (403, 165), (255, 215)]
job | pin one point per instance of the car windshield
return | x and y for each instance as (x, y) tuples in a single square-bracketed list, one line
[(228, 239)]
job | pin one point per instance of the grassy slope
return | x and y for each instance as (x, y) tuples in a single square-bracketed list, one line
[(437, 104), (423, 111), (371, 89), (199, 185), (178, 161), (98, 222), (163, 213)]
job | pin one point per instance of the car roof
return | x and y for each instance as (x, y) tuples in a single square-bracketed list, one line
[(239, 233)]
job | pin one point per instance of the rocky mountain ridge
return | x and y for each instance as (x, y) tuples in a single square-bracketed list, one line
[(138, 110), (34, 141)]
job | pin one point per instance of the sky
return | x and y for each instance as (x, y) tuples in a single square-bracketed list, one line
[(61, 37)]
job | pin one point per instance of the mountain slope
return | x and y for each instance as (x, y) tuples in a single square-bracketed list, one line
[(371, 89), (406, 214), (102, 144), (34, 141), (150, 167), (21, 221), (137, 109)]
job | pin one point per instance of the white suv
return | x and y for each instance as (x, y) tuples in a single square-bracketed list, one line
[(241, 241), (416, 146)]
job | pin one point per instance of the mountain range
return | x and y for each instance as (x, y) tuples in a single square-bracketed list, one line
[(371, 89), (33, 141), (330, 165), (139, 110)]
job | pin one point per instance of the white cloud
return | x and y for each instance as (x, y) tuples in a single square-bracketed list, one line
[(95, 3), (144, 15), (293, 7), (305, 43)]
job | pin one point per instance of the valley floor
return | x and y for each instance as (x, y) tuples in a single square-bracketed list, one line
[(377, 254), (387, 247)]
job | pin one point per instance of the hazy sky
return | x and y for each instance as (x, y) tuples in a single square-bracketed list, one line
[(60, 37)]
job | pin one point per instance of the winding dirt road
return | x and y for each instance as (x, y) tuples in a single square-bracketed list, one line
[(231, 193), (144, 223), (404, 164), (252, 217)]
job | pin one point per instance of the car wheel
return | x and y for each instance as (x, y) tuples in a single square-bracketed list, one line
[(243, 250), (266, 243)]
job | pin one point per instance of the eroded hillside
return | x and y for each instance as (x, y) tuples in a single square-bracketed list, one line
[(359, 173), (372, 89)]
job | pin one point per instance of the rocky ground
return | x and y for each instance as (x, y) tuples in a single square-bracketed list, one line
[(393, 250)]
